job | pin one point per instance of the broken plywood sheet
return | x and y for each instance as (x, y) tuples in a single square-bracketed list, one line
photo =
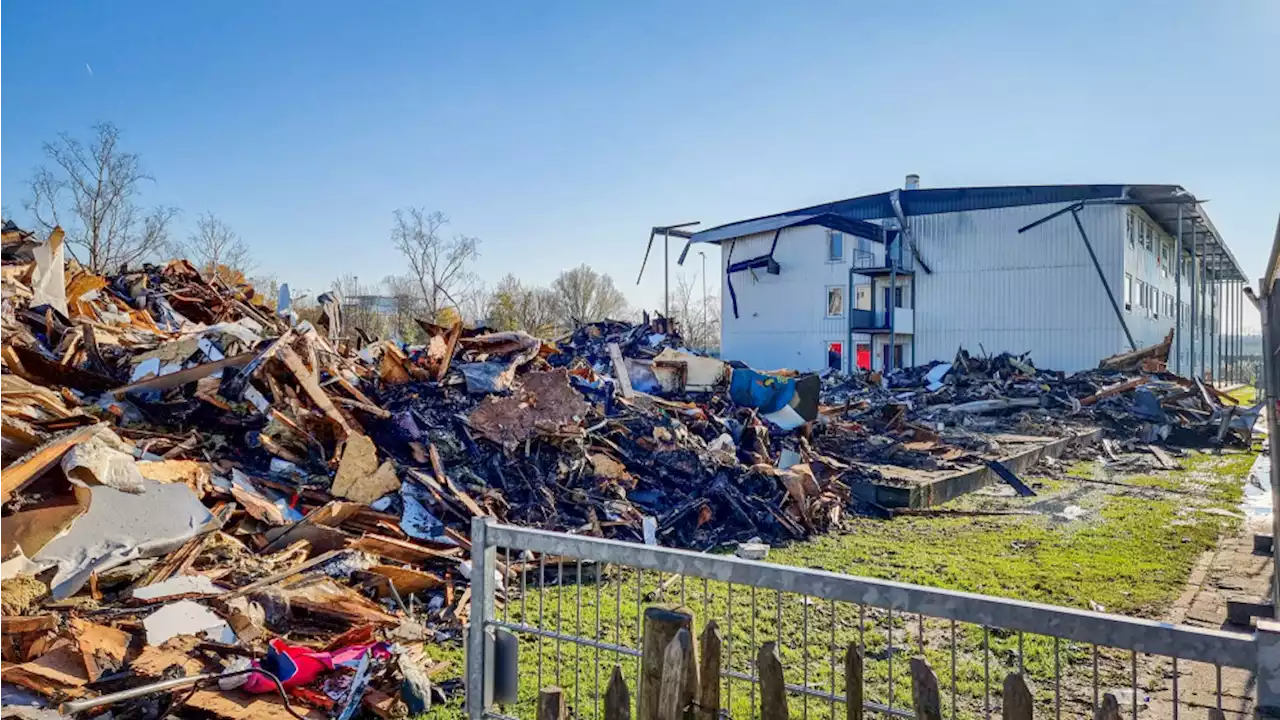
[(103, 648), (408, 580), (59, 671), (239, 705), (359, 476), (543, 400), (154, 660), (35, 463)]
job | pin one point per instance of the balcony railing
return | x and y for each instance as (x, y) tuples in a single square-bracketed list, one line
[(878, 320)]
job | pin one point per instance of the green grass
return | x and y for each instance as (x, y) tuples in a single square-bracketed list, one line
[(1247, 394), (1131, 554)]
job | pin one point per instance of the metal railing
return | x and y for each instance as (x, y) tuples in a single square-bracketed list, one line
[(532, 583)]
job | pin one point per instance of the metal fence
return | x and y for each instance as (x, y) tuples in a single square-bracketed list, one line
[(575, 603)]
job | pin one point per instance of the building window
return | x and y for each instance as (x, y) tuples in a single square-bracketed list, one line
[(1128, 229), (862, 297), (863, 356), (1150, 237), (835, 301), (1165, 253), (835, 356), (1128, 291), (835, 246), (898, 296)]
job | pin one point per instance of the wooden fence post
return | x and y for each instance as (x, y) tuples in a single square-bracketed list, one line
[(1017, 702), (925, 697), (709, 673), (672, 698), (1109, 709), (551, 704), (853, 682), (773, 689), (617, 699), (661, 625)]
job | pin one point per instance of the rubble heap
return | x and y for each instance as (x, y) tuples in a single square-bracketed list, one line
[(195, 482)]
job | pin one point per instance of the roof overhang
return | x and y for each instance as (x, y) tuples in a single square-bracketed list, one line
[(774, 223), (1162, 203)]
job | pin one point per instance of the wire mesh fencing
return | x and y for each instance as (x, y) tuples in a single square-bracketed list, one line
[(577, 606)]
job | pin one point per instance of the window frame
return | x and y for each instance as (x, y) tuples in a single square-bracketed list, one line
[(831, 237), (1128, 292), (843, 303), (827, 355)]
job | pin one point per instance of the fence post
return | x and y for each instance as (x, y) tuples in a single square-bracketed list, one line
[(1110, 708), (709, 673), (925, 697), (773, 689), (853, 682), (551, 704), (617, 699), (1017, 702), (661, 625), (484, 558), (1267, 638), (672, 698)]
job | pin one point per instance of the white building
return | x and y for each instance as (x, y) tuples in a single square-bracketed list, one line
[(983, 269)]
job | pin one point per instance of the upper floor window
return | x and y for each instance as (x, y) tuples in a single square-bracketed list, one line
[(1128, 291), (835, 246), (835, 301)]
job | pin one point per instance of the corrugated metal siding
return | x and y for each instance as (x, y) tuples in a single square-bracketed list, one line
[(995, 289), (782, 319)]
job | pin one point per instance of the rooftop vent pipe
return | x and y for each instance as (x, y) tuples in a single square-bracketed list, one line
[(912, 183)]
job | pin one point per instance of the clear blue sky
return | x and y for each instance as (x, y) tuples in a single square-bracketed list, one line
[(560, 132)]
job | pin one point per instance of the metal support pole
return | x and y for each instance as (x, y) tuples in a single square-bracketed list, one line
[(893, 314), (484, 559), (1195, 305), (848, 318), (1215, 335), (666, 274), (1201, 314), (1177, 299), (1268, 383), (1075, 215)]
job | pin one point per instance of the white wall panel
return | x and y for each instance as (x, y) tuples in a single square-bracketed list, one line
[(782, 319), (996, 290)]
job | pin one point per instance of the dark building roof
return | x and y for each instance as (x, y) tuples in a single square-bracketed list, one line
[(1161, 202)]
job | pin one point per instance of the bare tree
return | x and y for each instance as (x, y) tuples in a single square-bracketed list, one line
[(441, 267), (516, 306), (217, 251), (587, 296), (402, 298), (91, 191), (698, 318), (361, 307)]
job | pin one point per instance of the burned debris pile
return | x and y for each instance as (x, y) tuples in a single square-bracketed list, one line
[(197, 483)]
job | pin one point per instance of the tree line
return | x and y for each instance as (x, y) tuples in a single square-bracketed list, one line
[(94, 190)]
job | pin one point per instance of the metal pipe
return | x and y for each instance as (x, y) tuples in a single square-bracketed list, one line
[(666, 274), (1195, 267), (1103, 277), (848, 317), (1177, 304), (892, 310), (79, 706), (1267, 290)]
